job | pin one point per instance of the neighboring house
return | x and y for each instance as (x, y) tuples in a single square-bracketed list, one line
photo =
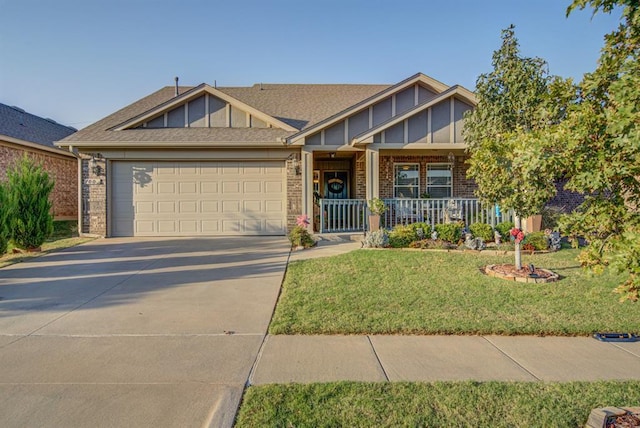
[(24, 133), (208, 160)]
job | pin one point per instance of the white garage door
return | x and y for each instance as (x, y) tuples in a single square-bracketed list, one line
[(197, 198)]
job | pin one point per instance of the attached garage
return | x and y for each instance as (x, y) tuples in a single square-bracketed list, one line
[(197, 198)]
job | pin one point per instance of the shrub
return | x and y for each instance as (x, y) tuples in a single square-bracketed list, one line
[(5, 234), (505, 228), (376, 239), (538, 240), (422, 230), (482, 230), (450, 232), (300, 237), (29, 188), (401, 236)]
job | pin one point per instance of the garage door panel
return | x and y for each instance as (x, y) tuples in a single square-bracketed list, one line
[(209, 206), (193, 198), (208, 187), (144, 207), (165, 188)]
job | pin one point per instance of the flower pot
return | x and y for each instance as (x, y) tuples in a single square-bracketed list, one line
[(374, 222)]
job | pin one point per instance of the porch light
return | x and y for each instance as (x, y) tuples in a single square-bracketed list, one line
[(295, 162), (93, 163), (451, 158)]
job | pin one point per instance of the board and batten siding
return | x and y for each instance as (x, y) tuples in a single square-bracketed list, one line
[(206, 111), (440, 123)]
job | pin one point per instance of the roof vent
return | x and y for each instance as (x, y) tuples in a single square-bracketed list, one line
[(177, 89), (261, 88), (18, 109)]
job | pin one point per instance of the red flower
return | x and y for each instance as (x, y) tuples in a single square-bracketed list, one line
[(520, 236)]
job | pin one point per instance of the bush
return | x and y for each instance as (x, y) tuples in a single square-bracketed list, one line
[(300, 237), (451, 232), (29, 189), (538, 240), (5, 234), (376, 239), (422, 230), (401, 236), (504, 228), (482, 230)]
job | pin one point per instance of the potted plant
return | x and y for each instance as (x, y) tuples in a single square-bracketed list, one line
[(376, 209)]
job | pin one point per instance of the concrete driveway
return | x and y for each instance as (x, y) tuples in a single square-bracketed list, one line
[(135, 332)]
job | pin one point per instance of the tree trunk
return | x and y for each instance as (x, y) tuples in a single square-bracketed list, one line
[(518, 255)]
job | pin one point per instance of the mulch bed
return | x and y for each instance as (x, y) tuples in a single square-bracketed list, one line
[(625, 421), (510, 270)]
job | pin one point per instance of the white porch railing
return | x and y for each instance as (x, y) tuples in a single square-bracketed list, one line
[(351, 215)]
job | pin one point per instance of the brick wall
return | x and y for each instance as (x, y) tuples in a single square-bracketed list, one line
[(565, 200), (94, 198), (361, 176), (294, 194), (463, 187), (63, 170)]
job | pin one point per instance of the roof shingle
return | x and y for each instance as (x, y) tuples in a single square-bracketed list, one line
[(17, 123), (299, 105)]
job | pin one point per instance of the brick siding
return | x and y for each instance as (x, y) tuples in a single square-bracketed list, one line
[(63, 170), (94, 198), (294, 194), (463, 187)]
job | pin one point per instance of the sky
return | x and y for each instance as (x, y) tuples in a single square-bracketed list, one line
[(77, 61)]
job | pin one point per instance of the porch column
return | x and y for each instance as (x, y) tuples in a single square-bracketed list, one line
[(372, 165), (307, 184)]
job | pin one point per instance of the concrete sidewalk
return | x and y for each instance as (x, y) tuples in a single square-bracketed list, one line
[(306, 359)]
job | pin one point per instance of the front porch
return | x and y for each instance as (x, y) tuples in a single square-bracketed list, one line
[(351, 215)]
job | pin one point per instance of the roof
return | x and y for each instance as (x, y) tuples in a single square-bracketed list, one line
[(20, 125), (303, 105), (299, 105)]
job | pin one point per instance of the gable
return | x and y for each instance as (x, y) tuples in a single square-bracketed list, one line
[(371, 116), (437, 121), (381, 107), (203, 107)]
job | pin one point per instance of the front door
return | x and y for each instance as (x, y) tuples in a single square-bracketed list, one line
[(336, 184)]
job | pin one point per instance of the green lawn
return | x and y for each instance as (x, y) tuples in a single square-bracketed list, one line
[(450, 404), (65, 235), (424, 292)]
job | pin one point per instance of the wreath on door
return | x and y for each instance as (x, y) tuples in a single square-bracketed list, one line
[(336, 185)]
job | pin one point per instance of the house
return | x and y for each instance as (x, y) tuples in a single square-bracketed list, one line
[(208, 160), (24, 133)]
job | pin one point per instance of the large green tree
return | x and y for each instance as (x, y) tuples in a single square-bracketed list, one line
[(601, 150), (511, 165)]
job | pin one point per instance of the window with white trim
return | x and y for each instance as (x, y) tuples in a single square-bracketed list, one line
[(439, 180), (406, 183)]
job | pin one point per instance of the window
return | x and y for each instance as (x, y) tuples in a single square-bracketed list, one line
[(439, 180), (407, 180)]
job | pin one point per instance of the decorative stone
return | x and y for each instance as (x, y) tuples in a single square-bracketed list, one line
[(542, 275)]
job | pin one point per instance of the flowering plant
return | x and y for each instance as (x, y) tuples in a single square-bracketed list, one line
[(302, 220), (518, 235)]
